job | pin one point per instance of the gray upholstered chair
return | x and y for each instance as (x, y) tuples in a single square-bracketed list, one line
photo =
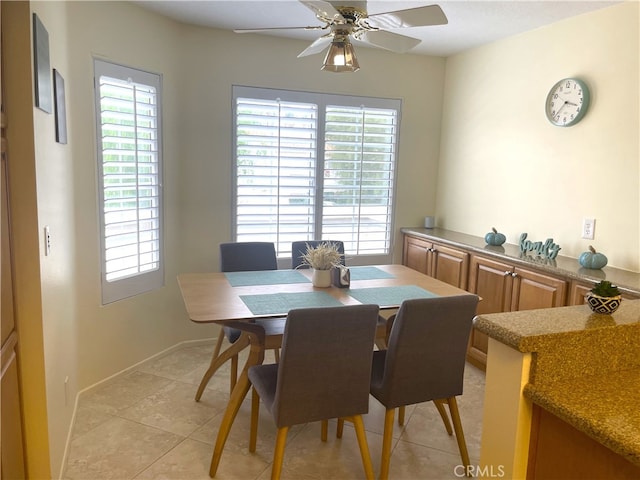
[(323, 373), (299, 248), (246, 257), (424, 361)]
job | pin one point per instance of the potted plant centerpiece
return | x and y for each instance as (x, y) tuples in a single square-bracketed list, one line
[(604, 297), (321, 259)]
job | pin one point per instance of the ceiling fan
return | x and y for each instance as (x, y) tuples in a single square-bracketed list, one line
[(350, 19)]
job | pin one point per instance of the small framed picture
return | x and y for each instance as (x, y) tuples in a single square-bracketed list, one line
[(41, 67), (61, 109)]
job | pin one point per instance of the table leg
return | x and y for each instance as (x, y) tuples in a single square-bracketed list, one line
[(256, 357), (235, 348)]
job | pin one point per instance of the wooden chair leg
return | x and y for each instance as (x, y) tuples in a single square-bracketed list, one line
[(233, 374), (364, 446), (457, 426), (216, 350), (278, 453), (387, 439), (324, 430), (218, 359), (401, 411), (340, 428), (255, 413), (443, 414)]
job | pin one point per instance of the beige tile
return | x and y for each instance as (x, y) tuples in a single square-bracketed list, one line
[(123, 392), (187, 364), (191, 460), (306, 455), (411, 462), (174, 410), (161, 393), (117, 449)]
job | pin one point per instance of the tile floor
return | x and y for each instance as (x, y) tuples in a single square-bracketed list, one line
[(146, 425)]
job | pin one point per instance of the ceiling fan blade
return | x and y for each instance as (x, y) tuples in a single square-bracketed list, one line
[(323, 10), (412, 17), (257, 30), (387, 40), (317, 46)]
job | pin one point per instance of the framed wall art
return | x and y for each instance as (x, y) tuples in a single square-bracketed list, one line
[(42, 67), (60, 107)]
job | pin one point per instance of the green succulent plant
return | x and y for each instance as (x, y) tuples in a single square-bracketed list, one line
[(605, 289)]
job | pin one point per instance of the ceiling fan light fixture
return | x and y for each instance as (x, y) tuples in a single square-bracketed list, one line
[(341, 56)]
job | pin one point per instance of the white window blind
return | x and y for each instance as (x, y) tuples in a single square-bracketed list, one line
[(315, 166), (359, 158), (275, 169), (130, 178)]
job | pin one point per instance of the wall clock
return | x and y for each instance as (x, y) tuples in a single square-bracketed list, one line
[(567, 102)]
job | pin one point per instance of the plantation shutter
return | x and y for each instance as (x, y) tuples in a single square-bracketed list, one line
[(312, 166), (276, 163), (359, 162), (128, 111)]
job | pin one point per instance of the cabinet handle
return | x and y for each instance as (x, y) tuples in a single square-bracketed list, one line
[(514, 274), (507, 273)]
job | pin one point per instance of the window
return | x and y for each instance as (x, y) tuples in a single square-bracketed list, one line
[(315, 166), (128, 115)]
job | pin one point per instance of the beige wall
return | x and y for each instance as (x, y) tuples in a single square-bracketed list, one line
[(503, 164), (86, 343), (220, 59)]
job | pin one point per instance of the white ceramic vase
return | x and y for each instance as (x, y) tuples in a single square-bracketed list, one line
[(321, 278)]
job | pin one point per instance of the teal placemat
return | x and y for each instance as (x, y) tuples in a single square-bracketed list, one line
[(368, 273), (279, 303), (389, 295), (265, 277)]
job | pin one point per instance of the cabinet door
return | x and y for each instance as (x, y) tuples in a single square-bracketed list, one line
[(417, 254), (450, 265), (492, 281), (533, 290), (577, 292)]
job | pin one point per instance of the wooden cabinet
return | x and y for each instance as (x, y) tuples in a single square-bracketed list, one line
[(577, 292), (504, 287), (499, 280), (579, 289), (558, 450), (447, 264)]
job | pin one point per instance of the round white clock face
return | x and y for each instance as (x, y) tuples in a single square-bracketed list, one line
[(567, 102)]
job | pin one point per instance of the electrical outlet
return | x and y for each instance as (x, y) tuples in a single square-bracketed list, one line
[(588, 228), (47, 240)]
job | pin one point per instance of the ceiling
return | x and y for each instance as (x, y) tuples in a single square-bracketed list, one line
[(471, 22)]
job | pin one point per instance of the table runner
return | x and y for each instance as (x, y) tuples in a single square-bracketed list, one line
[(385, 296), (368, 273), (281, 303), (265, 277)]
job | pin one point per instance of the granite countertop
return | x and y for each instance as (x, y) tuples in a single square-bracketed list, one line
[(585, 367), (629, 282)]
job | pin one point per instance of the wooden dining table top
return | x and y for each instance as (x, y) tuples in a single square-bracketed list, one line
[(210, 297)]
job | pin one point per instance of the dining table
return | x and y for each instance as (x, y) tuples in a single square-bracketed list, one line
[(237, 299)]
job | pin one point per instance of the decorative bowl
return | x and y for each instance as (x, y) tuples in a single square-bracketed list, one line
[(604, 305)]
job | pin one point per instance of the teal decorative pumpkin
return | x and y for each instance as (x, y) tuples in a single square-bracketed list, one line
[(495, 238), (592, 259)]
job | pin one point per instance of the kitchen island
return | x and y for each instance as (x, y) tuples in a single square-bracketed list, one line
[(563, 375)]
